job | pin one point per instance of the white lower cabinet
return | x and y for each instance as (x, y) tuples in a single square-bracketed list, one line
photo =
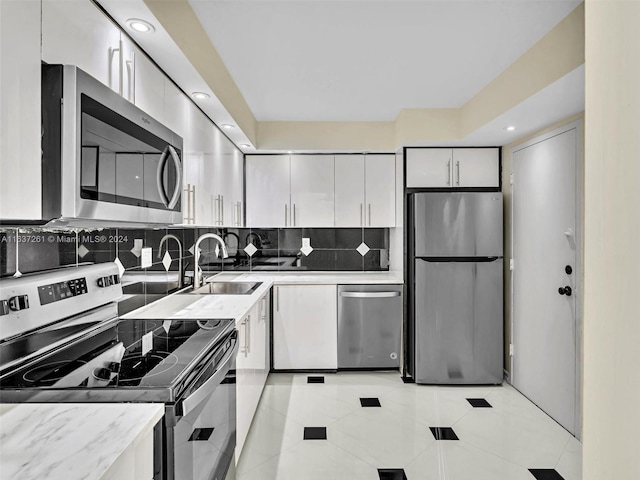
[(135, 463), (305, 327), (252, 367)]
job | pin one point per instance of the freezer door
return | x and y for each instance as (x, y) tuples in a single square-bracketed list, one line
[(457, 224), (369, 326), (458, 322)]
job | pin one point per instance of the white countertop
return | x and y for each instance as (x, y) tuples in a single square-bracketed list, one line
[(214, 307), (70, 441)]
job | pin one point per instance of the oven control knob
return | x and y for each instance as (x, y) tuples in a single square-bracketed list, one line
[(4, 307), (19, 302)]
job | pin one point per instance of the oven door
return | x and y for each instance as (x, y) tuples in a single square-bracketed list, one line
[(201, 444)]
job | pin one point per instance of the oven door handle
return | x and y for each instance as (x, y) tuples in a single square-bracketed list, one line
[(207, 388), (169, 151)]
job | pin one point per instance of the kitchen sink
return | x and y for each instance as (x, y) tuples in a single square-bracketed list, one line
[(226, 288)]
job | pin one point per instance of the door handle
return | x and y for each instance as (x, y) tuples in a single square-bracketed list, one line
[(285, 214), (169, 151), (361, 210), (294, 214), (221, 209), (449, 172), (458, 172), (565, 291), (370, 294)]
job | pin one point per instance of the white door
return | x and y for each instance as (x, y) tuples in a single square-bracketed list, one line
[(349, 198), (312, 190), (380, 190), (545, 339), (429, 167), (476, 167), (268, 191)]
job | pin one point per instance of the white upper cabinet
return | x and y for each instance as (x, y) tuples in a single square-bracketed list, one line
[(380, 188), (312, 190), (77, 33), (453, 167), (175, 109), (429, 167), (476, 167), (227, 182), (349, 196), (144, 84), (268, 191), (20, 115), (365, 191)]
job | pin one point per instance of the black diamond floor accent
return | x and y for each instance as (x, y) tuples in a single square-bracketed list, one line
[(201, 434), (315, 433), (443, 433), (370, 402), (391, 474), (315, 379), (479, 403), (545, 474)]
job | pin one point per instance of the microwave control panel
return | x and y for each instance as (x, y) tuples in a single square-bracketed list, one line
[(55, 292)]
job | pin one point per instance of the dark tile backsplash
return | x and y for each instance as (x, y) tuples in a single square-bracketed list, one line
[(31, 250)]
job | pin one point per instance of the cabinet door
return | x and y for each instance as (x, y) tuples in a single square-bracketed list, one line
[(476, 167), (77, 33), (228, 182), (305, 327), (145, 86), (20, 115), (244, 381), (380, 190), (197, 203), (349, 196), (175, 109), (312, 190), (429, 167), (268, 198)]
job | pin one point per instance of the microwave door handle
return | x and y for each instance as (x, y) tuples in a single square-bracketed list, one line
[(178, 188), (206, 389), (159, 180)]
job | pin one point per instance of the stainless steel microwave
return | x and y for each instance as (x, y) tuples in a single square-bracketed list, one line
[(105, 162)]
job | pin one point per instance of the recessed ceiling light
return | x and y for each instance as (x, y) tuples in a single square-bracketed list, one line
[(510, 128), (140, 26), (245, 145), (200, 95), (227, 126), (289, 151)]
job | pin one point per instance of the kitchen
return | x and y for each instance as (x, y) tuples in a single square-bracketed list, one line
[(368, 242)]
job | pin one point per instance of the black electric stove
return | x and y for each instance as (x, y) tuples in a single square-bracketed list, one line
[(131, 360)]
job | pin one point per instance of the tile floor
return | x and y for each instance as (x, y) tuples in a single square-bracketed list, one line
[(372, 426)]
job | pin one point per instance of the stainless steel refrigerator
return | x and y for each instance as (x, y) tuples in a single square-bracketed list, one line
[(457, 287)]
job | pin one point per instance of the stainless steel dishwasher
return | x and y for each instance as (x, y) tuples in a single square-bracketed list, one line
[(369, 324)]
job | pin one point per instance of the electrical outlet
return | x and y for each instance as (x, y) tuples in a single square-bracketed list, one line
[(145, 257)]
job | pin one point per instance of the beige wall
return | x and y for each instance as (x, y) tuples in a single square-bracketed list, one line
[(612, 241), (506, 190)]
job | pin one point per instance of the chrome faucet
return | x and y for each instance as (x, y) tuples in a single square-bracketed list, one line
[(173, 237), (197, 272)]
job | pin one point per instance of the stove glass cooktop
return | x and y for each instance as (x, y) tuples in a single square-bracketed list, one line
[(125, 353)]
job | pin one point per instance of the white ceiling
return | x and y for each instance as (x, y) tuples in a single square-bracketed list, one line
[(365, 60)]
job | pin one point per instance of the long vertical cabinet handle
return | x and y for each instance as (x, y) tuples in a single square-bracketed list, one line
[(121, 70), (221, 209), (214, 211), (243, 349), (458, 172), (239, 216), (285, 215), (263, 307), (193, 204), (248, 330), (294, 214), (131, 69), (369, 214), (112, 53), (361, 218), (449, 172)]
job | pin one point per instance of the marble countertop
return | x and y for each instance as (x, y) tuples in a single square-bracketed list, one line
[(69, 441), (215, 307)]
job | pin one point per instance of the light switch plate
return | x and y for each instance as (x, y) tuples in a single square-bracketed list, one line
[(147, 343), (145, 258)]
